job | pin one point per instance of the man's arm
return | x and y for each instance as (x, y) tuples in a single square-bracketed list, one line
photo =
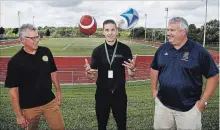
[(132, 72), (210, 71), (92, 69), (131, 66), (91, 74), (57, 86), (14, 97), (154, 81), (210, 87)]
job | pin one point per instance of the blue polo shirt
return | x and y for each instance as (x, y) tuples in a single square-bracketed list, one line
[(180, 74)]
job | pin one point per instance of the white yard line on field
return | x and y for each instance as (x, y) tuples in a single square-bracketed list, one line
[(67, 46), (10, 46), (149, 45), (132, 42)]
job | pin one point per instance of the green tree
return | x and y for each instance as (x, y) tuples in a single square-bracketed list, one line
[(39, 28), (199, 35), (41, 33), (15, 30), (212, 31), (10, 34), (2, 30), (192, 32), (55, 34), (47, 32)]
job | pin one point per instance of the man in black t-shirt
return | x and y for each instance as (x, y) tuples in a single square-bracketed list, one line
[(110, 60), (30, 74)]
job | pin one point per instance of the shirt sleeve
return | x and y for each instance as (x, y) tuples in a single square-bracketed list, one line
[(128, 54), (154, 64), (207, 65), (53, 67), (94, 59), (12, 75)]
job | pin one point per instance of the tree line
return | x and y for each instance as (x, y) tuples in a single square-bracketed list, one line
[(152, 34)]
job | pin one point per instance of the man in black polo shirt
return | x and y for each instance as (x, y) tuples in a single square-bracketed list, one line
[(179, 65), (110, 60), (30, 74)]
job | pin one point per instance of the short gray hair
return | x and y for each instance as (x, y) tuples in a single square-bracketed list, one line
[(182, 21), (25, 27)]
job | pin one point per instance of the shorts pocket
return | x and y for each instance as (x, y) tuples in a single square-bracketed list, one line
[(197, 109)]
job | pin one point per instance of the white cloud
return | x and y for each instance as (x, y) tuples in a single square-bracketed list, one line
[(66, 3), (69, 12)]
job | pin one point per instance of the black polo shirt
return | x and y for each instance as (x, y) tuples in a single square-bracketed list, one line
[(99, 61), (180, 74), (32, 75)]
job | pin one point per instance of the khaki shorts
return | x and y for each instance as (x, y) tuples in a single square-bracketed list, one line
[(51, 112), (168, 119)]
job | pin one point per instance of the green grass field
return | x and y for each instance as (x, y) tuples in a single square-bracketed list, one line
[(78, 109), (79, 47)]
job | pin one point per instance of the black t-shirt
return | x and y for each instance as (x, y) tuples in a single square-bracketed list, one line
[(99, 61), (32, 75)]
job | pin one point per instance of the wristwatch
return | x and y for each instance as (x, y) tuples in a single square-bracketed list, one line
[(204, 101)]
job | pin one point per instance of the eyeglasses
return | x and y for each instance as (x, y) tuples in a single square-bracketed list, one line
[(33, 38)]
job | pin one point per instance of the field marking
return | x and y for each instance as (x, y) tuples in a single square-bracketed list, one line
[(146, 44), (67, 46), (11, 46), (149, 45), (6, 41)]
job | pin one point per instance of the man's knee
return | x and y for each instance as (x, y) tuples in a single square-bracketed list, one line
[(57, 123), (54, 117)]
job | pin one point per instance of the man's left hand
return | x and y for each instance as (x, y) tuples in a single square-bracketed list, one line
[(58, 97), (201, 106)]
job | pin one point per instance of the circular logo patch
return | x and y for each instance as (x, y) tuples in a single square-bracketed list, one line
[(45, 58)]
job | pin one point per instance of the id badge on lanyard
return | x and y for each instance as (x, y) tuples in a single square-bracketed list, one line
[(110, 72)]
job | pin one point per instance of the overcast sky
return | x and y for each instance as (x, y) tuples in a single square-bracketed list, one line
[(68, 12)]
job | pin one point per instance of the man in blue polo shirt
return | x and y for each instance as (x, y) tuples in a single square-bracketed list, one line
[(179, 65)]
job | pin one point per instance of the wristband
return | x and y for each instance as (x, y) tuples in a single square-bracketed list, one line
[(203, 101)]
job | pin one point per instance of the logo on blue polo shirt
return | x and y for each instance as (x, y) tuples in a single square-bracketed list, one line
[(185, 56), (166, 54)]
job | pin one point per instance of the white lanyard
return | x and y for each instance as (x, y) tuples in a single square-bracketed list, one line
[(113, 56)]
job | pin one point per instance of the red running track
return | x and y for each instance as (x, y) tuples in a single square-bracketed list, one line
[(71, 69)]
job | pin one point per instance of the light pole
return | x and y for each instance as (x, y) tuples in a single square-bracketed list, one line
[(0, 14), (205, 23), (145, 26), (132, 33), (33, 20), (18, 19), (166, 9)]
